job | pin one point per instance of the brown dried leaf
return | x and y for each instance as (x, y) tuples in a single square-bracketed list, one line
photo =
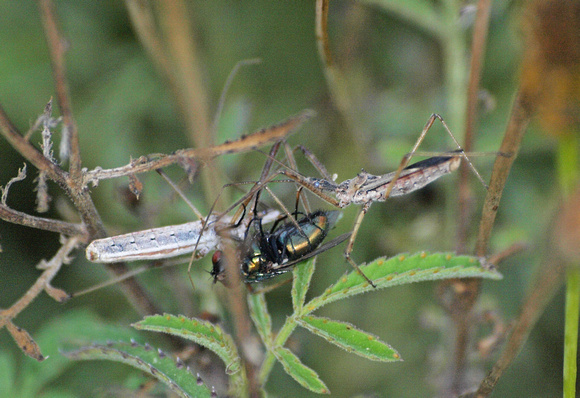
[(135, 185), (25, 342), (190, 166), (58, 294)]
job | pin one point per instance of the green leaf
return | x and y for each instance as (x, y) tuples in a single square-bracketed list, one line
[(261, 317), (80, 327), (301, 282), (202, 332), (176, 376), (349, 338), (404, 269), (305, 376)]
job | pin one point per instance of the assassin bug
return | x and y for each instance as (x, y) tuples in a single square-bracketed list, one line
[(365, 188)]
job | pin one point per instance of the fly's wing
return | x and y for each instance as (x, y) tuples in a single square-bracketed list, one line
[(416, 176), (329, 245), (333, 217)]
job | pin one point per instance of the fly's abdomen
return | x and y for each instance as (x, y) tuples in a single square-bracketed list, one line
[(313, 230)]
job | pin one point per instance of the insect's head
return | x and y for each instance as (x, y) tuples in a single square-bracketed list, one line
[(218, 271)]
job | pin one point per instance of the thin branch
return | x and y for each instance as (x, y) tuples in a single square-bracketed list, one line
[(477, 55), (466, 296), (244, 144), (19, 177), (548, 279), (46, 224), (57, 48), (28, 151), (51, 268), (81, 200), (522, 110), (239, 310)]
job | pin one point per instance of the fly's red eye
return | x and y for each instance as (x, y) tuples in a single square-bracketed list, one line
[(217, 256)]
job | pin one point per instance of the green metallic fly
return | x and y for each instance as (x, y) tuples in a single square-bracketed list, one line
[(264, 255)]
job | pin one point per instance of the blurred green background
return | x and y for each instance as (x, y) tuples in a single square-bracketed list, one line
[(395, 75)]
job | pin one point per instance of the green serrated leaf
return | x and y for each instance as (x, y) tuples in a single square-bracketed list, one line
[(301, 282), (305, 376), (202, 332), (404, 269), (261, 317), (80, 327), (349, 338), (178, 378)]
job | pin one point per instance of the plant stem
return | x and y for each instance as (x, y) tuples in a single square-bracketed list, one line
[(571, 331), (568, 175), (280, 340)]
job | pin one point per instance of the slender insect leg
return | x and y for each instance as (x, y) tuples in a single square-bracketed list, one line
[(265, 178), (180, 193), (290, 170), (404, 162), (407, 158), (244, 202), (286, 211), (254, 191), (292, 164), (320, 193), (297, 203), (315, 162), (462, 153), (350, 245)]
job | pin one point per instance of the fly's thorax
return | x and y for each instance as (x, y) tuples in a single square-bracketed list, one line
[(255, 258)]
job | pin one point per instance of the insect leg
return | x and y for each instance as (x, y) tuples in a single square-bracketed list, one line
[(460, 151), (315, 162), (180, 193), (350, 244)]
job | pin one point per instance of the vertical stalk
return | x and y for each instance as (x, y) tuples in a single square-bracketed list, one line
[(568, 175), (571, 331)]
